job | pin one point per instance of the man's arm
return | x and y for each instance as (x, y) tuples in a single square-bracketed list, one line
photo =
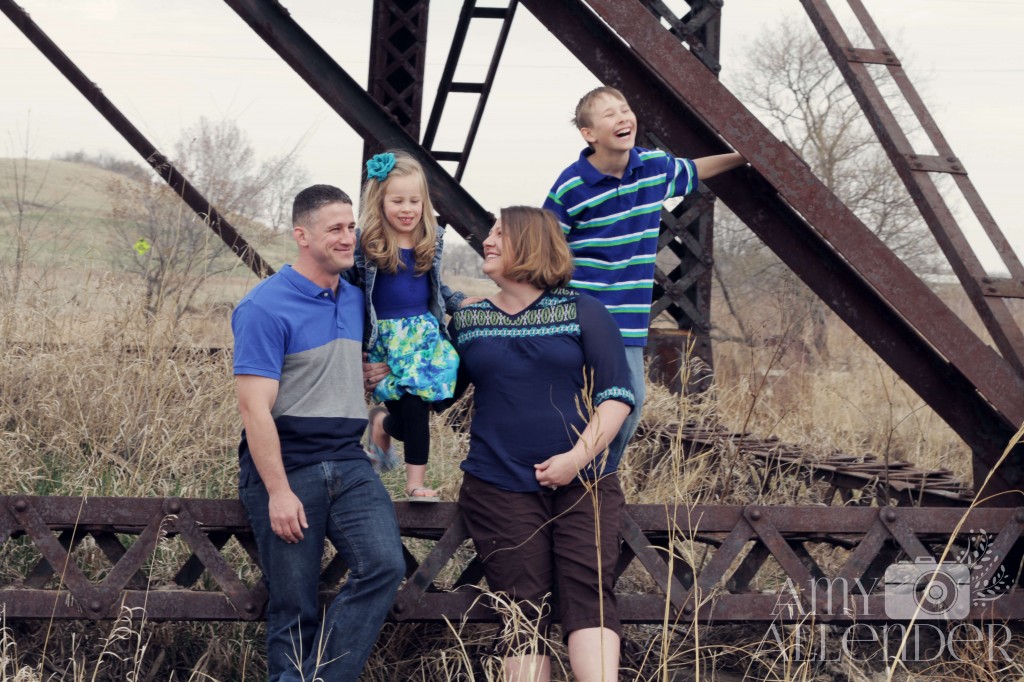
[(710, 166), (256, 396)]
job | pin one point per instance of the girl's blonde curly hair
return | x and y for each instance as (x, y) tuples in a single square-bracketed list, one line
[(377, 240)]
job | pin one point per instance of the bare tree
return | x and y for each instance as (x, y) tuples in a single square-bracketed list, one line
[(171, 248), (460, 259), (793, 85)]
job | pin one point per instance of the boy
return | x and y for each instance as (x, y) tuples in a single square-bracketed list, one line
[(609, 204)]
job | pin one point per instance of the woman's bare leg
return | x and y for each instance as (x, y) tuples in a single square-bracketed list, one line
[(594, 655), (533, 668)]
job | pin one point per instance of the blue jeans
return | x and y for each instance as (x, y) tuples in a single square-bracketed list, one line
[(637, 377), (346, 502)]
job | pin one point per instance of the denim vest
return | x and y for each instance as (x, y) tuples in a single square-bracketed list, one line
[(442, 299)]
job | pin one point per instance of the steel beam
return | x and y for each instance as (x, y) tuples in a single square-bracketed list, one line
[(398, 58), (965, 381), (167, 172), (341, 92), (914, 169), (759, 563)]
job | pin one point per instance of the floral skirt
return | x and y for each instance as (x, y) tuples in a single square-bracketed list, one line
[(422, 361)]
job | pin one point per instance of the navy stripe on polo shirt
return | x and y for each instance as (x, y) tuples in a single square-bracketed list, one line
[(310, 340), (612, 227)]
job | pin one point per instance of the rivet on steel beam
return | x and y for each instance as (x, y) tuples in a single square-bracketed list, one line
[(249, 607), (951, 159), (956, 168), (20, 504), (755, 514), (688, 610), (398, 608), (95, 605), (913, 156), (1019, 516), (172, 505), (889, 515)]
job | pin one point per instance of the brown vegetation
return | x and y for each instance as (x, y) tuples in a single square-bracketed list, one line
[(99, 396)]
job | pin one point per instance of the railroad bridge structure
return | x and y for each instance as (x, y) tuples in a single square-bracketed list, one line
[(666, 65)]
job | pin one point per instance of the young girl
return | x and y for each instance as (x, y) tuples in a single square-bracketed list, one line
[(399, 261)]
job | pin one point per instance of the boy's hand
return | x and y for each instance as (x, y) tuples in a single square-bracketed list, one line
[(469, 300)]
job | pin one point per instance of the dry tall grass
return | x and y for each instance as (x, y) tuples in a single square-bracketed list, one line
[(96, 398)]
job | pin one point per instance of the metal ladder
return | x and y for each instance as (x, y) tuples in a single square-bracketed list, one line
[(987, 293), (448, 85)]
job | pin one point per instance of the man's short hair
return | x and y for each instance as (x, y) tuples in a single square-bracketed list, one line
[(313, 199), (582, 119)]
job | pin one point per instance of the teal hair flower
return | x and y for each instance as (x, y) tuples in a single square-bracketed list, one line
[(379, 166)]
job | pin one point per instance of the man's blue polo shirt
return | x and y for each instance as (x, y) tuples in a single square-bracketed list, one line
[(292, 330), (612, 225)]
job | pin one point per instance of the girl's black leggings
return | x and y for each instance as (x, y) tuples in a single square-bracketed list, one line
[(408, 420)]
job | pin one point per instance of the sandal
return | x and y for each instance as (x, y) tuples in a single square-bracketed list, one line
[(411, 496), (381, 459)]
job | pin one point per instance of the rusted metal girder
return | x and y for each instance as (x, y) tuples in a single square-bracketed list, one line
[(914, 168), (398, 59), (342, 93), (878, 481), (709, 564), (683, 292), (965, 381), (167, 172)]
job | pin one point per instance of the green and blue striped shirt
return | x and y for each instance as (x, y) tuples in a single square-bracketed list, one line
[(612, 226)]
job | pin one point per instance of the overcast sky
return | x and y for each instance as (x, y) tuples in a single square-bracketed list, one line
[(165, 64)]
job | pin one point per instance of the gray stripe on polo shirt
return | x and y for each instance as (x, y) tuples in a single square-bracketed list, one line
[(323, 382)]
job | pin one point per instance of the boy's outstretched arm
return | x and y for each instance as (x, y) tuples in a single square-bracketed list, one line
[(710, 166)]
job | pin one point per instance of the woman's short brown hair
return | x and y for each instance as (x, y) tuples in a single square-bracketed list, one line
[(539, 253)]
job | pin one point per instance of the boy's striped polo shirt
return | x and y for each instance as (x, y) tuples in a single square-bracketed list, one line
[(612, 226)]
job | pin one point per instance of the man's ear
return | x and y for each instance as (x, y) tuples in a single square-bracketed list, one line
[(301, 238)]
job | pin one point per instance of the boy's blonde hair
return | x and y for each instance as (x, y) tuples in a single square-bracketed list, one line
[(583, 119), (539, 256), (376, 240)]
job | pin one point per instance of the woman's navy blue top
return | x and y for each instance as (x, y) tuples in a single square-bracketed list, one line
[(537, 375)]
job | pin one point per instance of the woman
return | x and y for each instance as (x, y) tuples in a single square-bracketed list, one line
[(551, 391)]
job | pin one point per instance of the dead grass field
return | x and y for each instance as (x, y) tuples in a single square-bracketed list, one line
[(97, 398)]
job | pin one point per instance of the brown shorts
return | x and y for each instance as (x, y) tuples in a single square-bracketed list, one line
[(542, 548)]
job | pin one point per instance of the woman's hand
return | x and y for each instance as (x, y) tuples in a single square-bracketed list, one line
[(557, 471)]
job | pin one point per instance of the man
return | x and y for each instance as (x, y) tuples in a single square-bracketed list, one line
[(303, 474)]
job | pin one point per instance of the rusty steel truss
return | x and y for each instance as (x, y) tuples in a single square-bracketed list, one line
[(666, 65), (194, 559)]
